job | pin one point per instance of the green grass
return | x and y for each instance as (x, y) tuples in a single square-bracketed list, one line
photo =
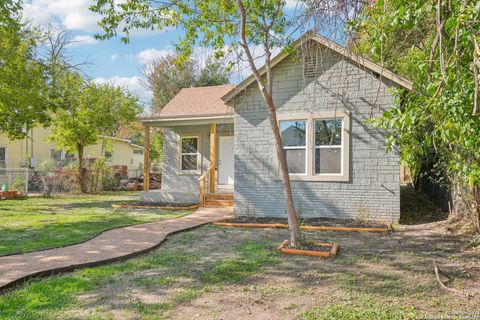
[(255, 257), (213, 271), (41, 223), (363, 311), (175, 265)]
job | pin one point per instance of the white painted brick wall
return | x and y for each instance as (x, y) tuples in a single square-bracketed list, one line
[(341, 86)]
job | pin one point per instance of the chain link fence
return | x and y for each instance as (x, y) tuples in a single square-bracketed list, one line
[(65, 180)]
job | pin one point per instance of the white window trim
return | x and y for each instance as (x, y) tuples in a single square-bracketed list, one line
[(198, 136), (310, 145), (341, 147), (305, 147)]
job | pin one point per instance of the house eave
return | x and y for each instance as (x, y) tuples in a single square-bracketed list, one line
[(186, 120), (123, 140), (360, 60)]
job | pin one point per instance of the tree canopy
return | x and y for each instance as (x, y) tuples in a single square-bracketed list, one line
[(213, 74), (90, 111), (23, 100), (436, 44), (167, 76)]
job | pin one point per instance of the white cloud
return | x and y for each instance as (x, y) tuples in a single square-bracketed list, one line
[(83, 40), (70, 14), (114, 57), (132, 84), (150, 55), (294, 4)]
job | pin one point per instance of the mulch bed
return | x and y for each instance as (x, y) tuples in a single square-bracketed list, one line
[(310, 222), (310, 248), (317, 224)]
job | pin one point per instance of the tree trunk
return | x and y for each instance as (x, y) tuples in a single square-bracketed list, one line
[(295, 239), (266, 92), (82, 171), (476, 207)]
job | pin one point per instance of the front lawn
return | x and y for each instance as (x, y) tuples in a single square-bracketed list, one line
[(215, 273), (41, 223)]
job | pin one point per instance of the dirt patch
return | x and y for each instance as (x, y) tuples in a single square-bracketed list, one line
[(237, 274), (417, 208)]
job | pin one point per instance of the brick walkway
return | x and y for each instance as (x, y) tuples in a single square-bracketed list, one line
[(110, 246)]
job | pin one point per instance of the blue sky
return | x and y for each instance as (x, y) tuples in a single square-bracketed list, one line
[(111, 60)]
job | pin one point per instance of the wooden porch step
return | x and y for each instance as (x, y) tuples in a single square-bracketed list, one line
[(219, 203), (220, 196)]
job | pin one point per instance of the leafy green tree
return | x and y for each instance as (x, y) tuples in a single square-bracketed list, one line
[(156, 149), (436, 44), (136, 134), (213, 74), (23, 102), (241, 24), (168, 75), (89, 112)]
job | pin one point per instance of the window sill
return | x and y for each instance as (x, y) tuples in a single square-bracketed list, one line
[(189, 173), (320, 178)]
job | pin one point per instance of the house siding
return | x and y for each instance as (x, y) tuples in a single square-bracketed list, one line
[(122, 151), (172, 177), (373, 189)]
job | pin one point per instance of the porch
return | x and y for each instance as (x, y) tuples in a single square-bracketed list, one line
[(198, 161)]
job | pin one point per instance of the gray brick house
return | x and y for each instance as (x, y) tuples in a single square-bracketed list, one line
[(219, 147)]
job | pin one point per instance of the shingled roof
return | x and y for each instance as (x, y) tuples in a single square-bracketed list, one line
[(196, 102)]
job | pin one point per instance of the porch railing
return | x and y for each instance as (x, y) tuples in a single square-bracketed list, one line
[(204, 184)]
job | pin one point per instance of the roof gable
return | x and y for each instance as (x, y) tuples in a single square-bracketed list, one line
[(311, 36)]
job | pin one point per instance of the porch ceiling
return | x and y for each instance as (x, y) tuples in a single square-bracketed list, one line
[(187, 120)]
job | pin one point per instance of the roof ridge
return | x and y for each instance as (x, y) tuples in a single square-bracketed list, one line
[(332, 45), (217, 86)]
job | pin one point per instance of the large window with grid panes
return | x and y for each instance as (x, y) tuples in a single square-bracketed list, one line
[(316, 145)]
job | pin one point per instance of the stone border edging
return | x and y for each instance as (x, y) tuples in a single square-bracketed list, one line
[(86, 240), (388, 228), (312, 253), (47, 273), (139, 206)]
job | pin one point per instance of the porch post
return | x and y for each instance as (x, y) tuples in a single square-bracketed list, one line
[(146, 158), (213, 155)]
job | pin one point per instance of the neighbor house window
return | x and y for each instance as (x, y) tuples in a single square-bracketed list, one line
[(69, 156), (316, 145), (137, 151), (328, 146), (189, 158), (56, 155), (295, 145), (108, 154), (3, 157)]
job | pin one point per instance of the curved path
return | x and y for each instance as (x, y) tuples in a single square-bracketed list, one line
[(109, 246)]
